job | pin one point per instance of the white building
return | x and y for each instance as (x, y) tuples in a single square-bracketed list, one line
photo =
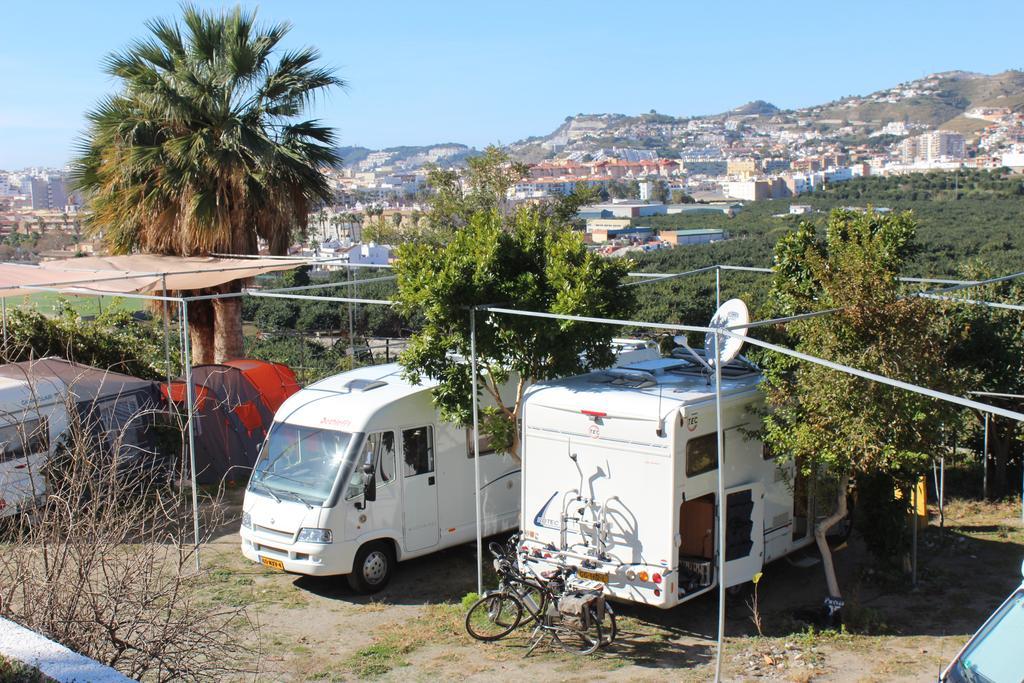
[(370, 254), (1013, 158)]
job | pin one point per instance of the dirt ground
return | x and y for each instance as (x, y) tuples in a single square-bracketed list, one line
[(318, 630)]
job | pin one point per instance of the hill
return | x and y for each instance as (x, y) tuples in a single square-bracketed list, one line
[(933, 100), (755, 108), (407, 155), (936, 101)]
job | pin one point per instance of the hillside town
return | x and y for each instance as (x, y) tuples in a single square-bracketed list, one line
[(753, 153)]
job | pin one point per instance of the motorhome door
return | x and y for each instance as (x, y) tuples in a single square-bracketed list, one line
[(744, 532), (420, 488)]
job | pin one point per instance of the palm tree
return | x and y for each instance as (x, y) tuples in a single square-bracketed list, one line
[(202, 151)]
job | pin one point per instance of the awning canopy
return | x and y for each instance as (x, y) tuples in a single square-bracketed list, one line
[(135, 273)]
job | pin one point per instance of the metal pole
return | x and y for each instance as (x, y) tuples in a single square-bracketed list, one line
[(355, 295), (3, 305), (189, 390), (942, 492), (351, 325), (718, 288), (476, 458), (167, 335), (721, 507), (984, 463)]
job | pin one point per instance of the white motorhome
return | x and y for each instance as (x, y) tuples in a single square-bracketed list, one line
[(359, 472), (620, 480)]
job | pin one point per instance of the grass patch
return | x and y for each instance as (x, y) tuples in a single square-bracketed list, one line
[(390, 649), (46, 303)]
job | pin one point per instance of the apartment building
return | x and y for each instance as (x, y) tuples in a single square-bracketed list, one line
[(937, 145)]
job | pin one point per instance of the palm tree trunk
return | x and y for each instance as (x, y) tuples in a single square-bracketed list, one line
[(200, 322), (228, 339)]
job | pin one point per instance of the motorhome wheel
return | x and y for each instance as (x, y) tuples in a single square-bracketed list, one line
[(372, 567)]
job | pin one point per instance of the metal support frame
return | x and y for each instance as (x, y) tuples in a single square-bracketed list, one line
[(284, 293), (167, 333), (778, 349), (476, 458), (190, 398), (984, 462), (351, 321), (722, 508)]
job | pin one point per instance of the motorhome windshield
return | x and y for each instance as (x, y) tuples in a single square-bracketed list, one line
[(300, 463), (994, 654)]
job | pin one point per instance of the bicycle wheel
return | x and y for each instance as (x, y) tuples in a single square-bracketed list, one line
[(578, 641), (494, 616)]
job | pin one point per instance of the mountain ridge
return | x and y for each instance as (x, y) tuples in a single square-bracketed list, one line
[(930, 102)]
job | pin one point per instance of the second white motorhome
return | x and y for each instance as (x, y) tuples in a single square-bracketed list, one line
[(620, 478)]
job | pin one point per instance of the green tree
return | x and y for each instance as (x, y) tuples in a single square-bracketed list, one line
[(680, 197), (659, 191), (483, 186), (527, 261), (564, 208), (835, 426), (201, 150), (113, 340)]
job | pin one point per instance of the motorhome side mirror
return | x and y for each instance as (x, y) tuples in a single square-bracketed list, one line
[(369, 484)]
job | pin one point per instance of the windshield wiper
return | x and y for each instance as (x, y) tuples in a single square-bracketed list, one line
[(299, 498), (267, 489)]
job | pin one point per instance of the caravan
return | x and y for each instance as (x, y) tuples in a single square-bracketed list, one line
[(34, 400), (620, 479), (359, 472)]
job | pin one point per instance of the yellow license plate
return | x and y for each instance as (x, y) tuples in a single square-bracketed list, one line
[(272, 563), (601, 577)]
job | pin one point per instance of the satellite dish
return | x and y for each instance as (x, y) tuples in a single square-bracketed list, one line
[(732, 312)]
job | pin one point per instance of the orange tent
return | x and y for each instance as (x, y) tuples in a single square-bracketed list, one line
[(274, 381), (234, 405)]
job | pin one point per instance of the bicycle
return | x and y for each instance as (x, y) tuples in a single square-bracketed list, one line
[(571, 611)]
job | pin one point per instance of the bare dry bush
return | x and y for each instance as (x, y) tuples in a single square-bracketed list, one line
[(107, 565)]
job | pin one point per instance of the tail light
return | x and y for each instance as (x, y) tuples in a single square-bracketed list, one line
[(642, 576), (656, 578)]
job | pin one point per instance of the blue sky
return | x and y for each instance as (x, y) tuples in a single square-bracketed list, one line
[(479, 72)]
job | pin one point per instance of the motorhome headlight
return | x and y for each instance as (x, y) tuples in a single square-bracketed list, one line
[(246, 520), (315, 536)]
